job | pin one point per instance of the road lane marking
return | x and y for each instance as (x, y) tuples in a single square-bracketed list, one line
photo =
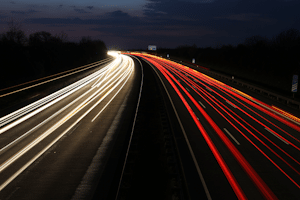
[(231, 136), (231, 104), (277, 136), (208, 89), (202, 104)]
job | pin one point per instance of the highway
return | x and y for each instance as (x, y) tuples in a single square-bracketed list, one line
[(59, 146), (242, 148)]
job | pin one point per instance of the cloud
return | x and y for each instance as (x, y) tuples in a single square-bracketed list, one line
[(80, 10), (55, 21), (117, 14), (199, 1), (248, 17), (30, 11), (242, 17)]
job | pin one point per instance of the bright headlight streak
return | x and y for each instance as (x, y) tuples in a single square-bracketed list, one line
[(51, 117), (67, 117), (79, 69), (100, 78), (110, 100), (54, 95), (113, 78), (68, 90), (44, 150), (45, 121), (111, 74), (61, 94), (117, 62), (106, 69), (10, 144), (45, 99)]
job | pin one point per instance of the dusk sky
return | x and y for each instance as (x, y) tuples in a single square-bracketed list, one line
[(165, 23)]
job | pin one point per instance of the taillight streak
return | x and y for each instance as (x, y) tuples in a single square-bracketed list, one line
[(218, 104), (231, 179), (265, 190), (214, 83)]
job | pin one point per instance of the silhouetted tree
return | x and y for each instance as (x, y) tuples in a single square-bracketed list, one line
[(15, 35), (288, 39)]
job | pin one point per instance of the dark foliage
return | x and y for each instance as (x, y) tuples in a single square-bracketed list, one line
[(42, 54), (268, 62)]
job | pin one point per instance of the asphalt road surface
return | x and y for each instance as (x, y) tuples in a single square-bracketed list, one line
[(242, 148), (59, 146)]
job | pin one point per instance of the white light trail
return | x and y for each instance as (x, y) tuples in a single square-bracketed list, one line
[(118, 77), (53, 98)]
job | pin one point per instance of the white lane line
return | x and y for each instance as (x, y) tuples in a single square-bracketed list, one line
[(208, 89), (231, 104), (231, 136), (277, 136), (187, 89), (202, 104)]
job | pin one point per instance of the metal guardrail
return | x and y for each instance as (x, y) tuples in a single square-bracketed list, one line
[(290, 102)]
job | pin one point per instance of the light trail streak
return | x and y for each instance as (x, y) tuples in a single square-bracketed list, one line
[(77, 109), (270, 114), (47, 120), (235, 186), (116, 79), (284, 116), (221, 106), (38, 105), (22, 89), (265, 190), (109, 102)]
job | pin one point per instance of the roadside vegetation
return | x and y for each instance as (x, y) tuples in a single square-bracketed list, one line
[(41, 54), (270, 63)]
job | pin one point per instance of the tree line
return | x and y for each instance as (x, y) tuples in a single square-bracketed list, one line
[(41, 54), (268, 62)]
